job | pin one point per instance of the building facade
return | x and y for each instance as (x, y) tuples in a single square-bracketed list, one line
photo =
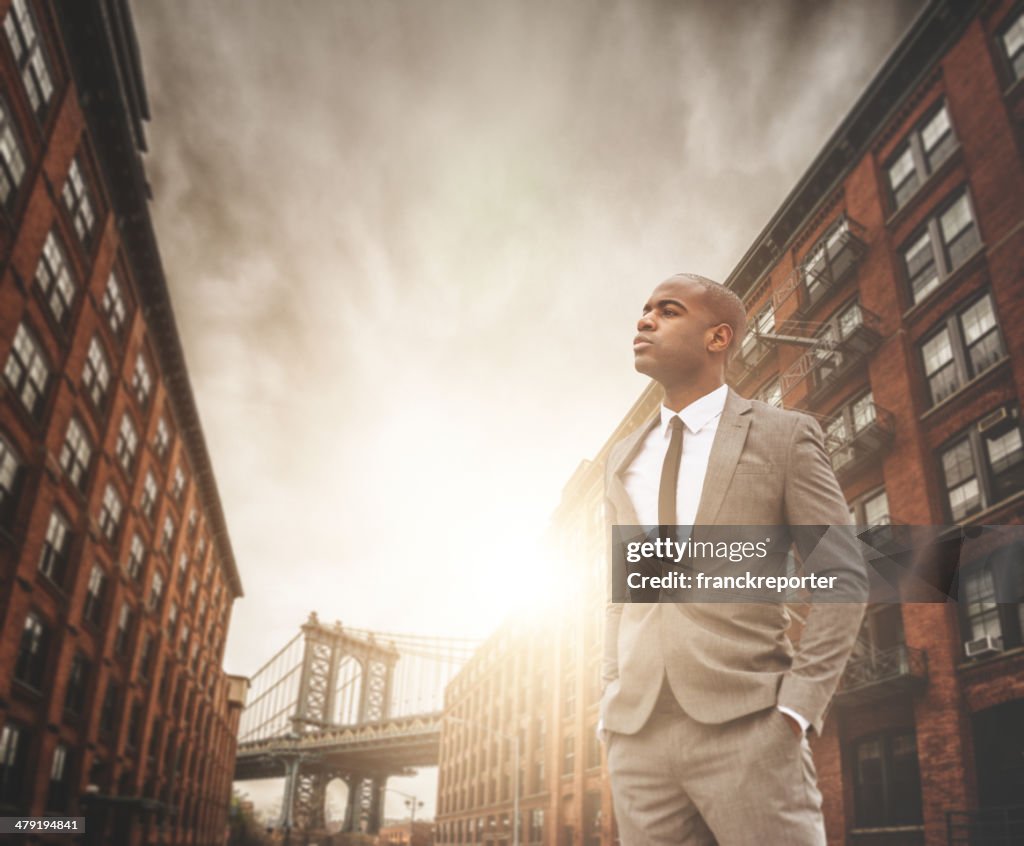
[(117, 576), (885, 298)]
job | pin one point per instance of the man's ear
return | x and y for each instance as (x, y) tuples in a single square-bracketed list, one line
[(720, 337)]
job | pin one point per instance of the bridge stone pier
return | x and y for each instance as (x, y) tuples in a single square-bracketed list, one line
[(349, 704)]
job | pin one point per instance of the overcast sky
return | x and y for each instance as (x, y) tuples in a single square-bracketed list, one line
[(407, 243)]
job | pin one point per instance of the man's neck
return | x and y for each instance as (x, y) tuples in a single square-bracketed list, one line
[(677, 397)]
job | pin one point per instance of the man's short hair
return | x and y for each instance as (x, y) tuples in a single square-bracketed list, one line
[(726, 306)]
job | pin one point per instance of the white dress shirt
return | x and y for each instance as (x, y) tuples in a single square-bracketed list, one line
[(642, 478)]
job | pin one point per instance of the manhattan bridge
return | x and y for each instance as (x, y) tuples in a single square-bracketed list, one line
[(338, 702)]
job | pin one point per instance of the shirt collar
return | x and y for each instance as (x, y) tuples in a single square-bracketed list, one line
[(698, 413)]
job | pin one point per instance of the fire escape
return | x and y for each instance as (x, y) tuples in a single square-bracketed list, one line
[(834, 350)]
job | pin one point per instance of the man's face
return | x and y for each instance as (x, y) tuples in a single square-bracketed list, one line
[(673, 333)]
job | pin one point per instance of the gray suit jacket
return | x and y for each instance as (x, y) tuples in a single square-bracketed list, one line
[(768, 466)]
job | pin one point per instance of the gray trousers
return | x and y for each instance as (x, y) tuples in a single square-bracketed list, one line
[(746, 781)]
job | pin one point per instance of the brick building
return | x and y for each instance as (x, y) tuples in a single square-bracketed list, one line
[(885, 297), (116, 571)]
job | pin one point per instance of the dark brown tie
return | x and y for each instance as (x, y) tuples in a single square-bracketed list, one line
[(670, 478)]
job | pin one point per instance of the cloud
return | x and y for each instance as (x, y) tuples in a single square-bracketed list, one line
[(406, 244)]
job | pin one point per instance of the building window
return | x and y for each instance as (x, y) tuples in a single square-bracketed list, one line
[(108, 712), (75, 454), (26, 370), (12, 158), (136, 557), (94, 596), (148, 496), (127, 442), (31, 661), (23, 37), (980, 610), (110, 512), (887, 783), (60, 780), (9, 464), (828, 261), (53, 276), (146, 656), (167, 539), (156, 590), (96, 373), (54, 558), (162, 439), (1012, 41), (124, 624), (771, 393), (992, 602), (568, 754), (78, 203), (849, 421), (985, 465), (761, 323), (537, 825), (179, 483), (113, 304), (13, 757), (928, 146), (78, 678), (967, 343), (142, 383), (871, 510), (937, 250)]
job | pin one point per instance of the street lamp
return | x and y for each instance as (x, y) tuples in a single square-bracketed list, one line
[(412, 803), (515, 768)]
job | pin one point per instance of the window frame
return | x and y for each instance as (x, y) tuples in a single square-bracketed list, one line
[(11, 471), (55, 280), (111, 511), (75, 458), (95, 595), (981, 466), (126, 447), (922, 168), (35, 68), (77, 197), (30, 663), (96, 373), (13, 156), (53, 559), (887, 740), (29, 371), (1014, 18), (940, 259), (951, 324)]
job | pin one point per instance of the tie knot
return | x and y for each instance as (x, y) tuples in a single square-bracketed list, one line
[(675, 423)]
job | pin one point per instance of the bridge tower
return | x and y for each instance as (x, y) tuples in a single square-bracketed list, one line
[(324, 649)]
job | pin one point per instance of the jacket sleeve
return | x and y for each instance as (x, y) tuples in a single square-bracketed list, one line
[(819, 521)]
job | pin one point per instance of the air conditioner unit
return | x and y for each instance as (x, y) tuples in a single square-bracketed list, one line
[(989, 421), (987, 645)]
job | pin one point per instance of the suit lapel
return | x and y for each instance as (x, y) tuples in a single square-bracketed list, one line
[(725, 454), (628, 449)]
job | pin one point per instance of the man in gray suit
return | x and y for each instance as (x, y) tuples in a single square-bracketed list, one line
[(706, 706)]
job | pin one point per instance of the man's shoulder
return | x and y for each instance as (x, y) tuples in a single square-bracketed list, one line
[(782, 418)]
